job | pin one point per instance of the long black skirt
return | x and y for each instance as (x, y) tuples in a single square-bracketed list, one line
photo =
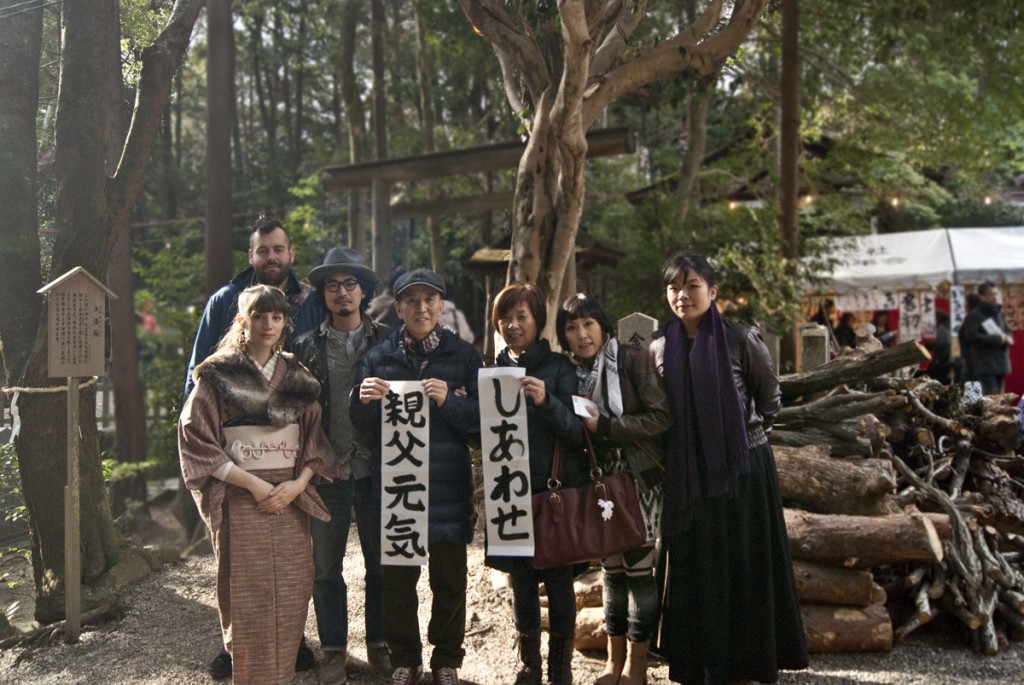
[(729, 604)]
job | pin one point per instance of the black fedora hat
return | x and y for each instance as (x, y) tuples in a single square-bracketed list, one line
[(343, 259)]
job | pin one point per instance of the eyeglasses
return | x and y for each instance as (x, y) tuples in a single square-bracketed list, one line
[(349, 284)]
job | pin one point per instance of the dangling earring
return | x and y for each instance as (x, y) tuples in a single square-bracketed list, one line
[(243, 339), (279, 345)]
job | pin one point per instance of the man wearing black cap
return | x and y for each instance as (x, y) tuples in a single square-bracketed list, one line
[(423, 350), (332, 352)]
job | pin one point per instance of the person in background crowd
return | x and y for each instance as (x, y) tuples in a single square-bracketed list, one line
[(421, 349), (941, 367), (988, 340), (966, 373), (453, 318), (730, 611), (880, 321), (627, 431), (271, 257), (825, 314), (845, 333), (519, 315), (257, 500), (332, 352), (382, 307)]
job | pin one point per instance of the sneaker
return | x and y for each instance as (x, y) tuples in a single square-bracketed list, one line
[(220, 666), (305, 660), (446, 676), (406, 675), (379, 658), (332, 668)]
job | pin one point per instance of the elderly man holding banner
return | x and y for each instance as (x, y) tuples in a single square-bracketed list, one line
[(415, 406)]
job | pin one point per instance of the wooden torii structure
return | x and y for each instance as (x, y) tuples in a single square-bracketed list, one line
[(382, 174)]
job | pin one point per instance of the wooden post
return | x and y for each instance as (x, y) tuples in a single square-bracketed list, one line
[(76, 333), (72, 529)]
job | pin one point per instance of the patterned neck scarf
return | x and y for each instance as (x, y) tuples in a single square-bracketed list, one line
[(418, 351), (599, 378)]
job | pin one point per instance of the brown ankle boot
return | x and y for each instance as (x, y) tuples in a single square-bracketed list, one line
[(614, 663), (635, 670)]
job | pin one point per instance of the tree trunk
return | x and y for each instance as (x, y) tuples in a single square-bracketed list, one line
[(90, 206), (219, 78), (425, 74), (564, 69), (129, 398), (817, 583), (381, 225), (808, 476), (830, 629), (355, 115), (20, 49), (696, 142), (266, 98), (789, 158), (852, 369), (859, 541)]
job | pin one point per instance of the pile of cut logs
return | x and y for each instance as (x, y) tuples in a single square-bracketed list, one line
[(905, 499)]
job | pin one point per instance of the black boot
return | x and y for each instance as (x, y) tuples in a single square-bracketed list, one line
[(560, 660), (528, 645)]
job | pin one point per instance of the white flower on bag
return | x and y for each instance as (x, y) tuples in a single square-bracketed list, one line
[(607, 506)]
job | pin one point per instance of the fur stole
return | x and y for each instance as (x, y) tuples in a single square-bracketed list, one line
[(244, 388)]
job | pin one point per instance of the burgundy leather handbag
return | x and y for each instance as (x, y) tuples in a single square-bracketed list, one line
[(594, 521)]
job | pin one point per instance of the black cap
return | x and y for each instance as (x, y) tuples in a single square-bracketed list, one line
[(343, 259), (419, 277)]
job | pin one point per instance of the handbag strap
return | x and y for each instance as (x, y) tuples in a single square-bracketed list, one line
[(556, 462), (556, 466)]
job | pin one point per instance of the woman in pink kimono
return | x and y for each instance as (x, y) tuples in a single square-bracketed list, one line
[(250, 442)]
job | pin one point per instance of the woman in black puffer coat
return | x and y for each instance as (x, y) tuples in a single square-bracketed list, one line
[(519, 314)]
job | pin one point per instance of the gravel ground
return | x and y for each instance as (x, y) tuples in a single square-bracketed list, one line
[(170, 632)]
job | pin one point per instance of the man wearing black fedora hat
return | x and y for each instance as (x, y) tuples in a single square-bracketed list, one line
[(332, 352)]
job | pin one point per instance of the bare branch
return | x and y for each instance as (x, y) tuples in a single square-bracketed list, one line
[(491, 21), (682, 54), (160, 62)]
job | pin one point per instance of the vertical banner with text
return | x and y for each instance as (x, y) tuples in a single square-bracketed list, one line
[(405, 469), (506, 462)]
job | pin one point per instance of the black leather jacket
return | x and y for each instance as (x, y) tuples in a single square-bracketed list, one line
[(753, 372)]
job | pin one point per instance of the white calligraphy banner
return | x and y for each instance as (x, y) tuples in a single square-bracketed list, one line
[(405, 469), (866, 300), (957, 308), (506, 462), (910, 316)]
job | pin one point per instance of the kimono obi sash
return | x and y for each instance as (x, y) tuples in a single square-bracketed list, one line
[(255, 448)]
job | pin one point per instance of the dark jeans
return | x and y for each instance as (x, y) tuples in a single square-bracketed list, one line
[(561, 599), (330, 593), (447, 628)]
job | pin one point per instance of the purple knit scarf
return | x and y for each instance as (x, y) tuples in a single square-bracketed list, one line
[(717, 428)]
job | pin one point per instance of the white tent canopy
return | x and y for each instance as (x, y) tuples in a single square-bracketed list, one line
[(904, 261)]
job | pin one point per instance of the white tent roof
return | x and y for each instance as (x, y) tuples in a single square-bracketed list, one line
[(928, 258), (993, 253)]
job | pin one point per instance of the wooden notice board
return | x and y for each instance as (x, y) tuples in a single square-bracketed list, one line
[(77, 331)]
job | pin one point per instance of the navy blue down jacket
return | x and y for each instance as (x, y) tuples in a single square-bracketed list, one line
[(451, 426)]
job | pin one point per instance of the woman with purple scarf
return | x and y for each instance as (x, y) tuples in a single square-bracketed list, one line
[(730, 612)]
